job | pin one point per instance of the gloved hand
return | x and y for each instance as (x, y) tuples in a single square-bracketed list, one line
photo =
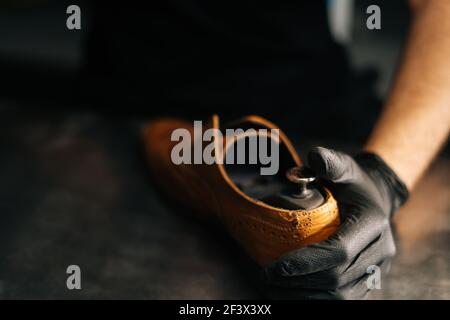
[(368, 193)]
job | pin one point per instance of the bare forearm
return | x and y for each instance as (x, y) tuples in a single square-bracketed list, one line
[(416, 119)]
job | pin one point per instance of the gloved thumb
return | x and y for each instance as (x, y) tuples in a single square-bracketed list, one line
[(332, 165)]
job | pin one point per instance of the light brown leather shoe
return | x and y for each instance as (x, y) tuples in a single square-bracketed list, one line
[(266, 231)]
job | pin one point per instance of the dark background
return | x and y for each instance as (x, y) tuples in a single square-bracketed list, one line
[(74, 188)]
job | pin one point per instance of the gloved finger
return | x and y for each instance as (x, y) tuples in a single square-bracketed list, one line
[(355, 291), (359, 289), (333, 165), (380, 249), (349, 184), (355, 233)]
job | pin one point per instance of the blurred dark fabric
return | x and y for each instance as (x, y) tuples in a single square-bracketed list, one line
[(195, 58), (220, 54)]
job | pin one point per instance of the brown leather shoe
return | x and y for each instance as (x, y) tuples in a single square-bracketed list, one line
[(264, 228)]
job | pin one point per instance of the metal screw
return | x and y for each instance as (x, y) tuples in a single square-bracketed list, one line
[(301, 176)]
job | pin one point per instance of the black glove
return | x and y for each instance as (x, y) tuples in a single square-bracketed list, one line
[(368, 193)]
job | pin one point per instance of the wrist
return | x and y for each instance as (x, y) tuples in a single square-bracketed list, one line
[(379, 170)]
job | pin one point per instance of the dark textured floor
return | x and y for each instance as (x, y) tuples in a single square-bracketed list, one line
[(73, 190)]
